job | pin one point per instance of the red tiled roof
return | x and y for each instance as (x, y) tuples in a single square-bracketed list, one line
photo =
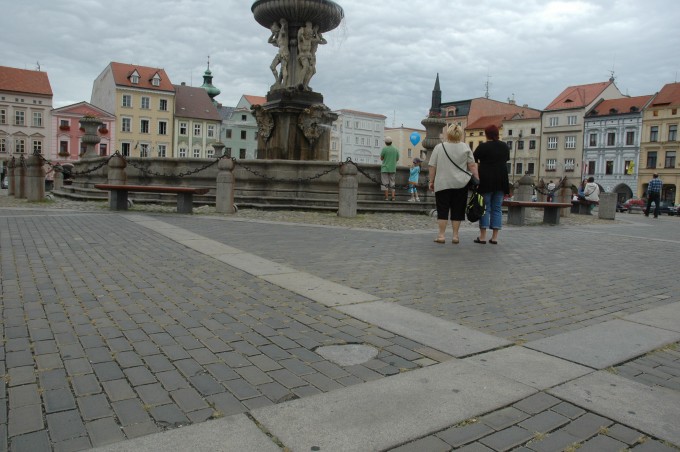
[(255, 100), (362, 113), (669, 95), (483, 123), (619, 106), (24, 81), (194, 102), (122, 72), (577, 96)]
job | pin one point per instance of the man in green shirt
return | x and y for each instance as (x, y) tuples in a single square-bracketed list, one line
[(388, 170)]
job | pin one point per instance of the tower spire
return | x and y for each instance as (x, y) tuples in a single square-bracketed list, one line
[(436, 106), (207, 84)]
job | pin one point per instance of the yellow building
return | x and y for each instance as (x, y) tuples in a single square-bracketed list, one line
[(659, 144), (143, 100), (401, 139)]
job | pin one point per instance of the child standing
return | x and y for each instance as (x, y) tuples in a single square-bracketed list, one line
[(413, 180)]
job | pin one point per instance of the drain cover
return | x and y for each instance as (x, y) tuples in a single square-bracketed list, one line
[(348, 355)]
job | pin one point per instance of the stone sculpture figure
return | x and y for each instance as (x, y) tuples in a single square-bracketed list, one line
[(305, 56), (314, 121), (279, 38), (265, 122)]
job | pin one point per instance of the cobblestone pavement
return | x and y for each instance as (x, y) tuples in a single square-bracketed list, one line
[(112, 331), (540, 423)]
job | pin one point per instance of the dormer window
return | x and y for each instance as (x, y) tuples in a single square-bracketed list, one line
[(156, 80), (134, 78)]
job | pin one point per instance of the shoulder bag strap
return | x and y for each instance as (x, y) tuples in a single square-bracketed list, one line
[(447, 156)]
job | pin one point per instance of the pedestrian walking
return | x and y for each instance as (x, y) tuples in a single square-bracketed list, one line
[(654, 195)]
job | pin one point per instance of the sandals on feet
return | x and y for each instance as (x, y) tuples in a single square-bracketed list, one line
[(493, 242), (481, 242), (439, 241)]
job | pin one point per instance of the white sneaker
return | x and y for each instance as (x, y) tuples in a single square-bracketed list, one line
[(417, 199), (411, 200)]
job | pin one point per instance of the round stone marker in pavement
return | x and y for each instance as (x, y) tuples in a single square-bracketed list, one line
[(348, 355)]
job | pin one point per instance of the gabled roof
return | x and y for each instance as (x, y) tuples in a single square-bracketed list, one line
[(225, 112), (24, 81), (82, 109), (578, 96), (669, 95), (194, 102), (122, 73), (255, 100), (484, 122), (621, 106)]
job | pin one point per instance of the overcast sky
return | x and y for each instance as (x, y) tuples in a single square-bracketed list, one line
[(382, 59)]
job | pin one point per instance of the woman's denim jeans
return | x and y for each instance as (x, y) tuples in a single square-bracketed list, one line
[(493, 215)]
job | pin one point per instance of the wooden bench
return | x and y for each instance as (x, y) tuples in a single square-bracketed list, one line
[(118, 199), (582, 206), (551, 211)]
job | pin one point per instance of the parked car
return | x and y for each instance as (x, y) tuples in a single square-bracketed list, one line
[(668, 208)]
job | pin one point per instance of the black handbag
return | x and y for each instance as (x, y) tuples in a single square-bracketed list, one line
[(473, 183), (475, 208)]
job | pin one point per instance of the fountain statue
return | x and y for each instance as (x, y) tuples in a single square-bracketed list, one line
[(294, 123)]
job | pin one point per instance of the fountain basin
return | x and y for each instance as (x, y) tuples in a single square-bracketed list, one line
[(325, 14)]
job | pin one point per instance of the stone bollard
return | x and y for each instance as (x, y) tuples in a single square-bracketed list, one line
[(525, 189), (12, 175), (116, 176), (226, 186), (58, 177), (607, 207), (348, 191), (20, 179), (35, 178), (116, 170)]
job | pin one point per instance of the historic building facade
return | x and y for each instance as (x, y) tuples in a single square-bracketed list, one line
[(611, 147), (143, 100), (561, 148), (25, 108), (66, 141), (196, 123), (659, 144), (358, 135), (522, 133), (239, 128)]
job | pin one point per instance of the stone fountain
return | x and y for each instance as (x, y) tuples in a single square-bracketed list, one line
[(294, 123)]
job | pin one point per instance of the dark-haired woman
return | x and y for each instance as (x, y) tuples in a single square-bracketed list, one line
[(492, 157)]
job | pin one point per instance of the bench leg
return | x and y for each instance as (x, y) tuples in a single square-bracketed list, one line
[(185, 202), (551, 215), (516, 215), (118, 200)]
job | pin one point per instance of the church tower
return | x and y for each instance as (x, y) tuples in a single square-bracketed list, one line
[(208, 86), (436, 98)]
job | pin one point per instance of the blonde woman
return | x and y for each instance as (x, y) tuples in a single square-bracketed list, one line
[(451, 164)]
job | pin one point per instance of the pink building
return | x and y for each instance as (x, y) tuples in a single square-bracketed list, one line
[(67, 138)]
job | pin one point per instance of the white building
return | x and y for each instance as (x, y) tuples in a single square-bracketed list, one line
[(357, 135), (611, 148)]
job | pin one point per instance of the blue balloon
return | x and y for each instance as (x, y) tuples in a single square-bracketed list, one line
[(415, 138)]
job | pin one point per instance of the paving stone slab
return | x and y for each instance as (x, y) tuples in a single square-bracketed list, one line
[(231, 434), (320, 290), (666, 317), (651, 410), (392, 411), (209, 247), (605, 344), (254, 265), (448, 337), (530, 367)]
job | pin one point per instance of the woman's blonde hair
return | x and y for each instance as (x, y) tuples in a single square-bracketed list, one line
[(454, 133)]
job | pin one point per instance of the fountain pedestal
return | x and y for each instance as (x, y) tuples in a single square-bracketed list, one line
[(294, 123)]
